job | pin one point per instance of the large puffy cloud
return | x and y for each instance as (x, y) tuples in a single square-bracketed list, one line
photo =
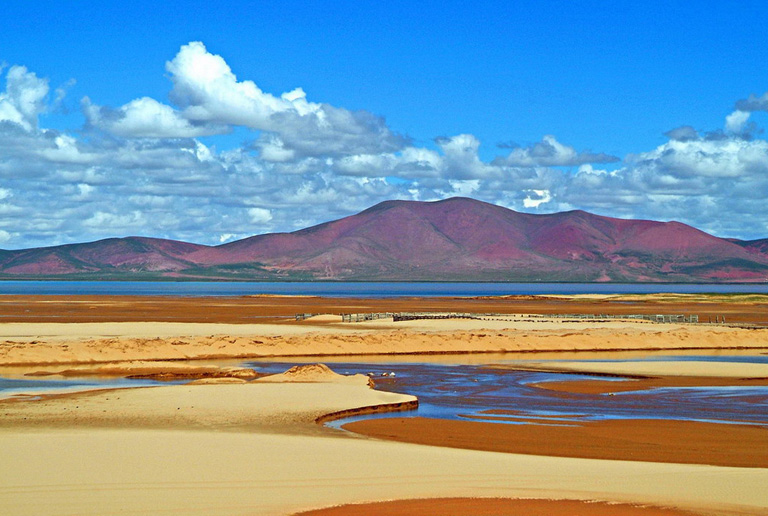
[(551, 153), (210, 98), (207, 90), (24, 98)]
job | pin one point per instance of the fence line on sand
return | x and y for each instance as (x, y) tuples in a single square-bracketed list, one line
[(414, 316)]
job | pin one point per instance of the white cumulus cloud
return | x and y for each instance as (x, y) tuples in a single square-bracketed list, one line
[(736, 121), (24, 98), (206, 90), (536, 198), (259, 216)]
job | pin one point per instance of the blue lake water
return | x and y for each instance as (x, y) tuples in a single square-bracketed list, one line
[(353, 289)]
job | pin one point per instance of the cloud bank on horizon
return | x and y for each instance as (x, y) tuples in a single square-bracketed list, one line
[(144, 168)]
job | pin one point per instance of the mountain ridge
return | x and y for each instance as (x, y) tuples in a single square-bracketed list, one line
[(455, 239)]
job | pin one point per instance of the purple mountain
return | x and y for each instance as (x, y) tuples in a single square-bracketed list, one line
[(454, 239)]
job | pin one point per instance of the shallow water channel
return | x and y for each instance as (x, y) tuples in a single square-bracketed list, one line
[(468, 391), (17, 384)]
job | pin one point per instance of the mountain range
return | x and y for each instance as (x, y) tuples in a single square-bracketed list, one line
[(457, 239)]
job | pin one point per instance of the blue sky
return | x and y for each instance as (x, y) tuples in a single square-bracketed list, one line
[(208, 123)]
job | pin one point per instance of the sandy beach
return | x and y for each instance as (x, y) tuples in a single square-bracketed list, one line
[(236, 442)]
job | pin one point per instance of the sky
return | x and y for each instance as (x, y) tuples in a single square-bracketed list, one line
[(210, 122)]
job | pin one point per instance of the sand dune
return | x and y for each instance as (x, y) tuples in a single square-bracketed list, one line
[(314, 373)]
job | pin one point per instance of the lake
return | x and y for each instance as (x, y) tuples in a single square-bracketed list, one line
[(355, 289)]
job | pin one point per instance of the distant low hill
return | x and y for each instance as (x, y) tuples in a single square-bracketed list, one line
[(456, 239)]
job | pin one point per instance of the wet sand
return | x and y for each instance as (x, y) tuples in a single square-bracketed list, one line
[(685, 442), (736, 308), (598, 386), (495, 507)]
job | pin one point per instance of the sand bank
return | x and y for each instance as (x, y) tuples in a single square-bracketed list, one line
[(253, 448), (147, 369), (27, 343), (606, 386)]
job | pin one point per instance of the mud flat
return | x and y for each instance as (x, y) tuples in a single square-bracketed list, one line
[(736, 308)]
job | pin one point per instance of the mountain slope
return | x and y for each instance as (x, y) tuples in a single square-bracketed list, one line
[(454, 239), (132, 254)]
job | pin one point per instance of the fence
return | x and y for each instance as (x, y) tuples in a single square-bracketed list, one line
[(660, 318), (415, 316), (365, 317)]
